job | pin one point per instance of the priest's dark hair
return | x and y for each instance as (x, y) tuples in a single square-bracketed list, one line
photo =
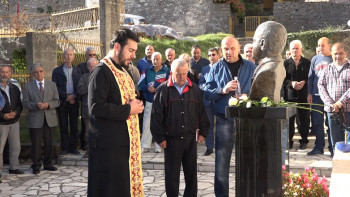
[(121, 36)]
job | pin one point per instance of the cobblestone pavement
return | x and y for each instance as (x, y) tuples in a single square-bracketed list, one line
[(71, 178), (72, 181)]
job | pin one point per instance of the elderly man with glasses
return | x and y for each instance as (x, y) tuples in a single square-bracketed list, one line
[(90, 53)]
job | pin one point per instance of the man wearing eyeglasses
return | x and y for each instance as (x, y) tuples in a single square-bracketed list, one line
[(90, 53), (213, 55)]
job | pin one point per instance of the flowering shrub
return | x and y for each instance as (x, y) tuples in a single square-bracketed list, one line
[(305, 184)]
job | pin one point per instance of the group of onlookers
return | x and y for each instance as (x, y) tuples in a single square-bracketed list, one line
[(179, 96), (324, 84), (46, 102)]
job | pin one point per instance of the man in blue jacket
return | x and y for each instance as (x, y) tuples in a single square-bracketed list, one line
[(214, 57), (67, 78), (219, 87), (145, 62)]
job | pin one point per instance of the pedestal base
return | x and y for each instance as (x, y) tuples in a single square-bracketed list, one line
[(258, 149)]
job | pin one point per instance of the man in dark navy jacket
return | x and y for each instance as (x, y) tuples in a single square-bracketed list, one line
[(67, 78), (177, 113)]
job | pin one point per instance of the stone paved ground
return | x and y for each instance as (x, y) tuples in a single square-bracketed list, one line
[(71, 179)]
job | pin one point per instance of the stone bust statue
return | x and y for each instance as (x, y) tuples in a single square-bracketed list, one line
[(268, 43)]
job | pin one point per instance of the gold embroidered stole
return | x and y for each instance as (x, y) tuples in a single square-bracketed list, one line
[(127, 90)]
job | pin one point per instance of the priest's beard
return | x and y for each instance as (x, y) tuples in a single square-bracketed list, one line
[(124, 62)]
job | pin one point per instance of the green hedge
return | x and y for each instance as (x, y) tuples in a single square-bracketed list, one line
[(309, 39), (181, 46)]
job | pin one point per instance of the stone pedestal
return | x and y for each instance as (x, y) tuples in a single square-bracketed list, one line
[(340, 173), (258, 149), (41, 48), (109, 22)]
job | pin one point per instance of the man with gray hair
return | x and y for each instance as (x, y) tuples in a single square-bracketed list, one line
[(89, 53), (149, 82), (248, 52), (170, 56), (295, 90), (67, 78), (83, 92), (177, 113), (40, 97), (9, 124)]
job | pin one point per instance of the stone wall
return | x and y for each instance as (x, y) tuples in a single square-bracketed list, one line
[(192, 17), (8, 46), (296, 16), (41, 6)]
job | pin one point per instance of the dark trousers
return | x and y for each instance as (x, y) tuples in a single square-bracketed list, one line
[(181, 150), (83, 142), (38, 135), (304, 117), (69, 142)]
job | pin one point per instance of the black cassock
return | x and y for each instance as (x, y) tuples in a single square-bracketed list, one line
[(108, 173)]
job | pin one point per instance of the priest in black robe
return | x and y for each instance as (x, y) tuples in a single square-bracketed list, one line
[(114, 138)]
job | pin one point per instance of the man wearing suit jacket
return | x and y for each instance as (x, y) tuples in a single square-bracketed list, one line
[(9, 124), (67, 78), (40, 97)]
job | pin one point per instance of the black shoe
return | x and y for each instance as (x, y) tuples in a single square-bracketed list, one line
[(36, 171), (52, 168), (303, 146), (75, 152), (0, 179), (17, 171), (315, 152), (291, 144), (208, 152), (332, 153), (63, 152)]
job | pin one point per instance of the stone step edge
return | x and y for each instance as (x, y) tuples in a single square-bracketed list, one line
[(200, 167)]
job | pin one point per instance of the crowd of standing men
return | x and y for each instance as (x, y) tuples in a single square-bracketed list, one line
[(176, 102)]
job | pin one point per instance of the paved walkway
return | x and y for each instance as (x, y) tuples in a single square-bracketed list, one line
[(71, 177)]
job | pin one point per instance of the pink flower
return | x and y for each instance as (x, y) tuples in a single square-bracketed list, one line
[(308, 185), (307, 169), (319, 180), (284, 167), (314, 177), (306, 179), (324, 186)]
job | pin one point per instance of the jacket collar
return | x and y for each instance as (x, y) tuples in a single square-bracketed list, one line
[(186, 89)]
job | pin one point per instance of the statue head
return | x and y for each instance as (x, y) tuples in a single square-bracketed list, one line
[(269, 40)]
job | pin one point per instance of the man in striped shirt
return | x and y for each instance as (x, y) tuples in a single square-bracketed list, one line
[(149, 82), (334, 89)]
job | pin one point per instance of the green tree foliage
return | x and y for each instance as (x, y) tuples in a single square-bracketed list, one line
[(19, 60)]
